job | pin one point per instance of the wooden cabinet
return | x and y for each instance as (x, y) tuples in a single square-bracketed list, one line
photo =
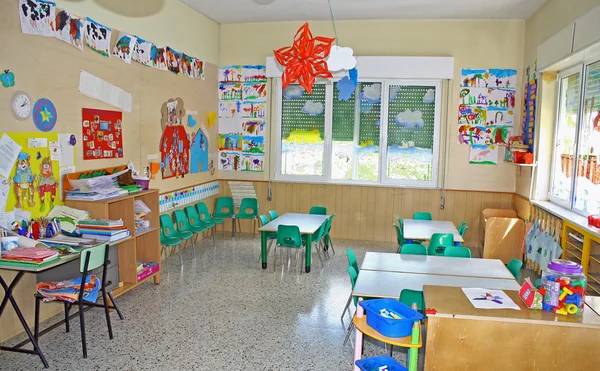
[(583, 247)]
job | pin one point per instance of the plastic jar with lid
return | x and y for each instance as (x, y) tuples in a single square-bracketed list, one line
[(564, 284)]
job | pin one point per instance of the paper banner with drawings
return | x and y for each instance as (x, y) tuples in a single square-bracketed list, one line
[(37, 17), (529, 107), (242, 114), (483, 154), (173, 60), (34, 177), (69, 29), (124, 47), (142, 52), (97, 37), (101, 134), (174, 142)]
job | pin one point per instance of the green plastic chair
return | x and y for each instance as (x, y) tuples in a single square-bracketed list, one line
[(271, 236), (352, 263), (288, 236), (169, 230), (169, 242), (421, 215), (317, 240), (514, 266), (457, 252), (273, 214), (208, 221), (327, 235), (352, 260), (318, 210), (224, 209), (183, 225), (461, 230), (438, 242), (400, 222), (196, 221), (248, 210), (408, 297), (462, 224), (413, 249), (399, 236)]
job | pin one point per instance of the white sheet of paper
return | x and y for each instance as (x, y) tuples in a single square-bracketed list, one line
[(230, 126), (55, 151), (9, 150), (95, 87), (67, 151), (4, 189), (154, 156), (21, 215), (63, 171), (489, 299), (6, 219), (37, 142)]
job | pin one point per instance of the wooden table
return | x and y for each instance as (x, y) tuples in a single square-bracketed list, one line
[(378, 284), (461, 337), (308, 224), (423, 229), (438, 265)]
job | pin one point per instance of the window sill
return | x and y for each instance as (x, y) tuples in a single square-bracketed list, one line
[(567, 215), (354, 183)]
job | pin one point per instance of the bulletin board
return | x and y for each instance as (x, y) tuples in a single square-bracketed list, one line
[(101, 131)]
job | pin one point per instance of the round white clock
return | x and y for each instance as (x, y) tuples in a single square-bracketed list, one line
[(20, 105)]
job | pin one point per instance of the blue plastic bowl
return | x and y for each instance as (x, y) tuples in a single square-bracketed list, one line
[(394, 328), (373, 364)]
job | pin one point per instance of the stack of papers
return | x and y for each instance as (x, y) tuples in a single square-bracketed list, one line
[(103, 230), (32, 255), (98, 188), (68, 217)]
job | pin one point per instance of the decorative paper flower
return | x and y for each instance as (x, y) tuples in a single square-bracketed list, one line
[(304, 61)]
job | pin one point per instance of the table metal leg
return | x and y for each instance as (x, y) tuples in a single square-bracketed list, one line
[(308, 252), (263, 249), (9, 297)]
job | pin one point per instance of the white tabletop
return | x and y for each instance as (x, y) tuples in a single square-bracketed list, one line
[(378, 284), (308, 223), (423, 229), (440, 265)]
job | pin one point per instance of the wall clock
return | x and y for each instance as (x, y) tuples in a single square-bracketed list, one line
[(20, 105), (44, 114)]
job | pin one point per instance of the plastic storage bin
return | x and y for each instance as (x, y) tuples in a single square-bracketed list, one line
[(564, 284), (374, 363), (395, 328)]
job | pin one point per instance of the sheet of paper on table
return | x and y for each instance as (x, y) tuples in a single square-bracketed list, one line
[(489, 299)]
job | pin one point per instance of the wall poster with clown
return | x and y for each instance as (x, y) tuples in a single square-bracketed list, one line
[(35, 177)]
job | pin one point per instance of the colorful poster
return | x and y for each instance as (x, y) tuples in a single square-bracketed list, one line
[(252, 162), (198, 69), (254, 91), (97, 37), (199, 153), (186, 65), (230, 142), (229, 161), (529, 108), (253, 127), (124, 47), (228, 110), (483, 154), (254, 74), (231, 74), (173, 60), (230, 91), (101, 133), (252, 144), (37, 17), (254, 110), (69, 29), (142, 52), (158, 56), (175, 142)]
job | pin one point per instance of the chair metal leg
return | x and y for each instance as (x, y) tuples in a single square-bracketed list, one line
[(67, 324), (214, 231), (331, 245), (114, 304), (181, 255), (239, 226), (349, 332), (194, 238), (82, 325), (319, 254), (108, 324), (253, 228), (347, 305), (36, 330), (391, 350), (274, 257), (268, 250), (232, 227)]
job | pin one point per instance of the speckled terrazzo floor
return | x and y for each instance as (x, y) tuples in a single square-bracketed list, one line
[(220, 312)]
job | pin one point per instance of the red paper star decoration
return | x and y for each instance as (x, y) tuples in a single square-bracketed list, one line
[(305, 60)]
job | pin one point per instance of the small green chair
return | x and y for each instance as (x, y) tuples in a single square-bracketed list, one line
[(421, 215), (318, 210), (457, 252), (273, 214), (208, 221), (408, 297), (326, 235), (271, 236), (166, 242), (438, 242), (248, 210), (289, 237), (352, 260), (184, 226), (400, 222), (413, 249), (461, 230), (224, 209), (353, 273), (196, 221), (514, 266), (169, 230), (399, 236), (352, 263), (317, 240)]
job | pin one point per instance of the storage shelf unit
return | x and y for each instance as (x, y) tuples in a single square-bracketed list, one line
[(583, 247), (143, 246)]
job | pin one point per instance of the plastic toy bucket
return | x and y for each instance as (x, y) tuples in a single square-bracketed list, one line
[(374, 363), (395, 328)]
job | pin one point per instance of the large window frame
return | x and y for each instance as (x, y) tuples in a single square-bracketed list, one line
[(382, 180)]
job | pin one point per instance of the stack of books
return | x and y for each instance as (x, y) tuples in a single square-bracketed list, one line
[(146, 270), (103, 230), (98, 188), (32, 255)]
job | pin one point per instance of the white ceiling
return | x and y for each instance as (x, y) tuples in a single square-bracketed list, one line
[(240, 11)]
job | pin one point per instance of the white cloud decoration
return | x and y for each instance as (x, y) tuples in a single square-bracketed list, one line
[(429, 97), (341, 59), (394, 90), (293, 91), (313, 108), (371, 93), (410, 119)]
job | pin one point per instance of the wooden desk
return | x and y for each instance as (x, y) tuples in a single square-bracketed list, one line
[(439, 265), (460, 337), (308, 224), (378, 284), (423, 229)]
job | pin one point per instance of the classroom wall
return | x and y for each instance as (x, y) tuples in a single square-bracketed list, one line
[(485, 44)]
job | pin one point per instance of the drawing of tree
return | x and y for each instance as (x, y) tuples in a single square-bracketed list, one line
[(463, 94)]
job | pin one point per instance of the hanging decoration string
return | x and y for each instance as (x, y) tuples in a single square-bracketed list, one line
[(333, 22)]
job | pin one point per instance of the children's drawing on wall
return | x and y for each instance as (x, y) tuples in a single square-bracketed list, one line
[(254, 110), (174, 142), (173, 60), (199, 150), (37, 17), (124, 47), (253, 127), (46, 184), (252, 162), (102, 134), (228, 110), (253, 144), (254, 73), (198, 68), (483, 154), (97, 37), (186, 65), (23, 182), (69, 29), (159, 57), (483, 135), (231, 74), (254, 91), (230, 142), (230, 91), (229, 161), (142, 52)]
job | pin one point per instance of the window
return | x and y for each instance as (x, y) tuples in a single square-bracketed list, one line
[(387, 131), (575, 175)]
